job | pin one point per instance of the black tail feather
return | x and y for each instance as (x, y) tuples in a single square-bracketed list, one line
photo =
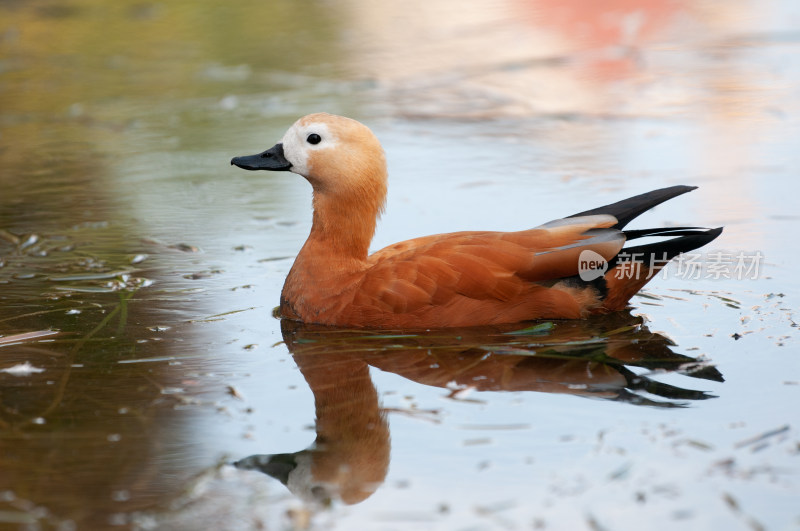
[(663, 231), (628, 209), (688, 239)]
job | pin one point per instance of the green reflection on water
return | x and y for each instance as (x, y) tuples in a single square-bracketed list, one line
[(112, 120), (88, 82)]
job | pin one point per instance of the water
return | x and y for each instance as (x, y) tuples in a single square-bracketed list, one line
[(124, 229)]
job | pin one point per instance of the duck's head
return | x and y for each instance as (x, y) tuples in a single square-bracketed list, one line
[(339, 156)]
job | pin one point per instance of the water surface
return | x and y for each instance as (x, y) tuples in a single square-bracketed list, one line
[(167, 388)]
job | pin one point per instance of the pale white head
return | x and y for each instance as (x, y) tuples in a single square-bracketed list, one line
[(346, 166), (303, 139), (336, 154)]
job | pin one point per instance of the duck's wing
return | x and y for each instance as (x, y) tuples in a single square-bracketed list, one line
[(624, 279), (482, 266), (628, 209)]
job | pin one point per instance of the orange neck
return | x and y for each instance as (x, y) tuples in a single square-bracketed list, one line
[(347, 203), (342, 228)]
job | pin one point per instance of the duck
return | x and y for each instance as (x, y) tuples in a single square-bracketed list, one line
[(568, 268)]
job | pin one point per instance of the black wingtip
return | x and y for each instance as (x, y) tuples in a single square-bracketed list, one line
[(628, 209), (686, 241)]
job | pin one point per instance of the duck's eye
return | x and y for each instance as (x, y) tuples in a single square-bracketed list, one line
[(314, 138)]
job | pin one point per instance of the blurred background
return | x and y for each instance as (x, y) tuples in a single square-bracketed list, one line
[(138, 271)]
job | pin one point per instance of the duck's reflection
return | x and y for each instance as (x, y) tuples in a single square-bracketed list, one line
[(350, 456)]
